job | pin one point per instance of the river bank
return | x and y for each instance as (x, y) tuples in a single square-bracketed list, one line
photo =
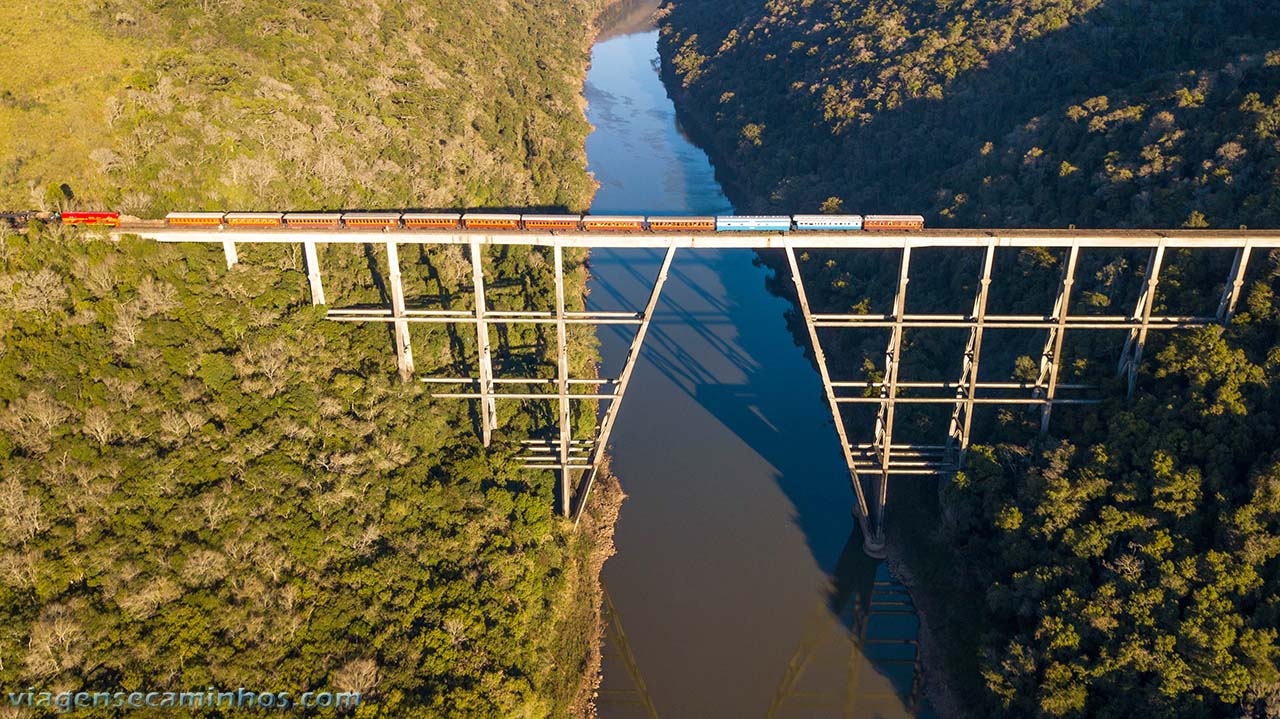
[(940, 653), (596, 531)]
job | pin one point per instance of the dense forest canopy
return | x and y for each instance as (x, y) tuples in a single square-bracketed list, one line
[(1048, 113), (1126, 564), (203, 481)]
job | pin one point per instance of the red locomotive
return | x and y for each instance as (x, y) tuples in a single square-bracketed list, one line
[(101, 219)]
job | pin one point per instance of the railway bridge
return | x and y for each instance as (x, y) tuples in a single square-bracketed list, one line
[(873, 454)]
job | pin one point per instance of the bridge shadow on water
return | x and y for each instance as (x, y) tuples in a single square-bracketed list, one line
[(720, 339), (771, 409)]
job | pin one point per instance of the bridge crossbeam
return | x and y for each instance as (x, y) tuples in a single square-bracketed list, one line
[(1014, 322)]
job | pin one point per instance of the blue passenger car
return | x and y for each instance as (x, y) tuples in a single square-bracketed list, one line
[(837, 223), (753, 223)]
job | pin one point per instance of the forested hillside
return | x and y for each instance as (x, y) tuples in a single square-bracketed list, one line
[(203, 482), (1125, 564), (1129, 561), (1053, 112), (206, 483)]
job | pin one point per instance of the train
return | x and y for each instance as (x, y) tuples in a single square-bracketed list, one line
[(24, 217), (505, 221)]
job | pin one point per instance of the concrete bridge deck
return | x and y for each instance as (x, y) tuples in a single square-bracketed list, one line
[(1223, 239)]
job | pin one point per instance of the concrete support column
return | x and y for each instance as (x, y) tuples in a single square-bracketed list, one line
[(860, 505), (313, 273), (404, 348), (620, 387), (562, 382), (1136, 342), (1231, 293), (889, 394), (967, 387), (488, 407), (1051, 358)]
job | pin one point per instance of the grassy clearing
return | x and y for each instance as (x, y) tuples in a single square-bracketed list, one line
[(60, 68)]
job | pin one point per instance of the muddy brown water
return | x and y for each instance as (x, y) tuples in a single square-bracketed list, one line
[(739, 582)]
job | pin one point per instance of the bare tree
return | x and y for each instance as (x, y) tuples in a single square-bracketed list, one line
[(31, 420), (36, 193), (99, 425), (155, 297), (122, 389), (173, 426), (107, 159), (99, 278), (366, 540), (357, 675), (452, 267), (203, 567), (5, 251), (42, 291), (135, 202), (20, 514), (112, 111), (292, 259), (55, 643), (127, 327)]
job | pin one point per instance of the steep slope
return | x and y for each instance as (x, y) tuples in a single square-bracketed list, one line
[(204, 482), (1000, 114)]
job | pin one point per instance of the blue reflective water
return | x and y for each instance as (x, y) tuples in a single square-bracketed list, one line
[(738, 517)]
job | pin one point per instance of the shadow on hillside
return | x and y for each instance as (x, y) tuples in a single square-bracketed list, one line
[(900, 160)]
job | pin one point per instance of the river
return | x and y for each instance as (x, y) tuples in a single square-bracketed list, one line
[(739, 582)]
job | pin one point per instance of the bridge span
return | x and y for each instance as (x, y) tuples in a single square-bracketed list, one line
[(874, 458)]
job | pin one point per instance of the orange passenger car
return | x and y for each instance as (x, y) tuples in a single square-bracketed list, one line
[(625, 223), (431, 220), (483, 221), (193, 219), (682, 224), (892, 222), (254, 219), (313, 220), (371, 220), (551, 222)]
